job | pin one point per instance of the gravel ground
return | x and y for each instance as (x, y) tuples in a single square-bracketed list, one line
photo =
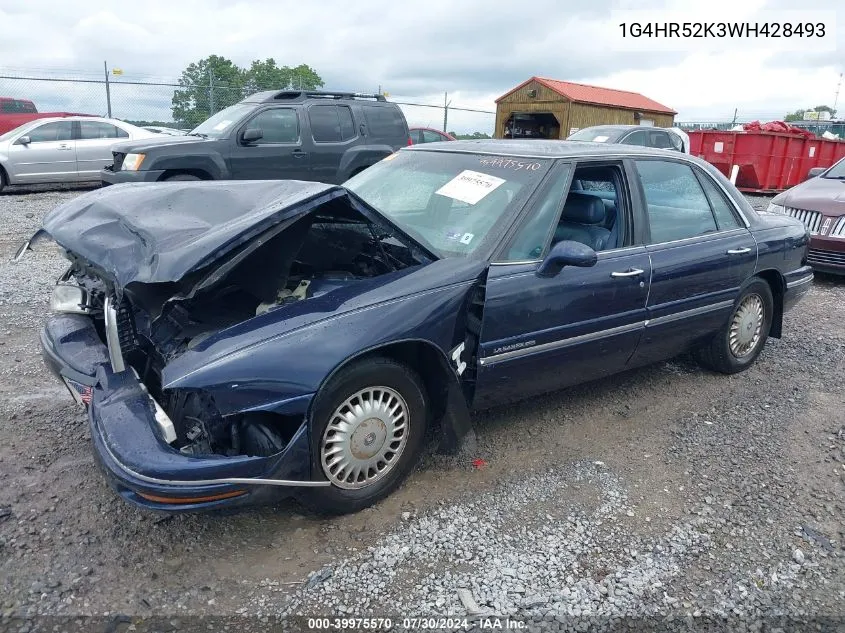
[(663, 492)]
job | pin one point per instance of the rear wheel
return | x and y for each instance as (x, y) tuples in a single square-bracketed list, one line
[(182, 177), (369, 422), (738, 344), (2, 179)]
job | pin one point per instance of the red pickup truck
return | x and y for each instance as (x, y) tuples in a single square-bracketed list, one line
[(16, 112)]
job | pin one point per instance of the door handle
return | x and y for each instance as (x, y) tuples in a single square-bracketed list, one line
[(298, 153), (65, 147), (738, 251), (633, 272)]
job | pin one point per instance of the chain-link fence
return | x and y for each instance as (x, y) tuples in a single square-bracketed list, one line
[(171, 103)]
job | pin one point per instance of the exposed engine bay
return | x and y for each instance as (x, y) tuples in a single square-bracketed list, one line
[(326, 250)]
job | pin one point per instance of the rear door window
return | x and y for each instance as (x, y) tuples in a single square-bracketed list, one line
[(331, 123), (676, 204), (430, 136), (636, 138), (385, 122), (89, 130)]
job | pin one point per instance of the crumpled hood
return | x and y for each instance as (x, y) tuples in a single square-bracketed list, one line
[(151, 233)]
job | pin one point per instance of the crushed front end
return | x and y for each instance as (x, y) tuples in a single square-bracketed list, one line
[(163, 450)]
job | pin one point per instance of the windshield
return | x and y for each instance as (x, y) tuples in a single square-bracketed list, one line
[(837, 171), (449, 202), (218, 125), (595, 135)]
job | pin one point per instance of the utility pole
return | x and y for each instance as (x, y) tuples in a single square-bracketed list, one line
[(445, 111), (210, 92), (108, 89), (836, 97), (734, 121)]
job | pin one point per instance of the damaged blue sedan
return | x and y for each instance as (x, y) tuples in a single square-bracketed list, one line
[(229, 339)]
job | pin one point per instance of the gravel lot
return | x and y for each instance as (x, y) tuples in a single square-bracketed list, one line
[(663, 491)]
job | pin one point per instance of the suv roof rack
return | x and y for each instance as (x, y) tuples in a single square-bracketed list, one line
[(302, 95)]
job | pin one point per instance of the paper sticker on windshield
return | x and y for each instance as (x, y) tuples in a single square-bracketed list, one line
[(466, 238), (222, 125), (454, 236), (470, 186), (600, 139)]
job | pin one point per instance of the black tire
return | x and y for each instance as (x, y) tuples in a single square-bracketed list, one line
[(2, 179), (370, 372), (717, 354), (182, 177)]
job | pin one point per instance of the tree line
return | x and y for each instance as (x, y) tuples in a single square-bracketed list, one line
[(211, 84)]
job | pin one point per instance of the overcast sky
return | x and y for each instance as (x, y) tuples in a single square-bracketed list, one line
[(475, 50)]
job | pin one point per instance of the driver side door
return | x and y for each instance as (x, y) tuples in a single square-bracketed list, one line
[(538, 333)]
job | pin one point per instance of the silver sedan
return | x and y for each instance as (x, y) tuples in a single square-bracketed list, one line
[(60, 150)]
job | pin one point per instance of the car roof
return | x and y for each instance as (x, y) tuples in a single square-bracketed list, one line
[(294, 96), (50, 119), (540, 148)]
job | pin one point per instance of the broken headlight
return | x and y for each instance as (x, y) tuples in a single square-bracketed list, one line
[(69, 298)]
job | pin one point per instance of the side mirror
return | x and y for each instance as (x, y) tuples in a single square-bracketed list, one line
[(24, 140), (567, 253), (251, 135), (816, 171)]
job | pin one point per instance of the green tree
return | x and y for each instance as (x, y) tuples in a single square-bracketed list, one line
[(214, 83), (206, 87), (470, 137), (267, 75), (798, 115)]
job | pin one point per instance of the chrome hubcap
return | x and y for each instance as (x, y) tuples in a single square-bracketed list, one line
[(746, 326), (364, 438)]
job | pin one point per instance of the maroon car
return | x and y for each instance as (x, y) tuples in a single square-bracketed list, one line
[(429, 135), (820, 204)]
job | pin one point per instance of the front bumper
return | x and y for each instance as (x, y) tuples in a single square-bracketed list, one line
[(110, 177), (130, 446), (798, 283), (827, 255)]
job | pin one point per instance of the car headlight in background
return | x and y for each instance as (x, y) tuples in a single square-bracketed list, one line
[(132, 162), (775, 208)]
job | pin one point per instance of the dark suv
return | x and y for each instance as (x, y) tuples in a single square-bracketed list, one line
[(289, 135)]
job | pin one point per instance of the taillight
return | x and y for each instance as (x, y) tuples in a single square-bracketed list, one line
[(410, 142)]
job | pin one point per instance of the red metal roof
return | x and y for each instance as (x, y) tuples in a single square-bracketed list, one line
[(582, 93)]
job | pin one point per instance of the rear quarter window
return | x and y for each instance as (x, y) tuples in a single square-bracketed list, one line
[(386, 122)]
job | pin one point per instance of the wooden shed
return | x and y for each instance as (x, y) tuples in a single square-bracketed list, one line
[(548, 108)]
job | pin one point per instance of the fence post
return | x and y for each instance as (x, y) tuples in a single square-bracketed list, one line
[(210, 93), (108, 90)]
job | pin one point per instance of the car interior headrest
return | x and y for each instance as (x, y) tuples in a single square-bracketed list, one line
[(583, 208)]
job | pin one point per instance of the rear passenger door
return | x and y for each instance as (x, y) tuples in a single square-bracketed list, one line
[(333, 132), (94, 141), (700, 251), (277, 155)]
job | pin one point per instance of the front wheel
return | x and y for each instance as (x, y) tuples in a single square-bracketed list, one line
[(368, 426), (739, 342)]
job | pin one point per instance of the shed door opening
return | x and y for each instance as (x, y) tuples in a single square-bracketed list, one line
[(534, 125)]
